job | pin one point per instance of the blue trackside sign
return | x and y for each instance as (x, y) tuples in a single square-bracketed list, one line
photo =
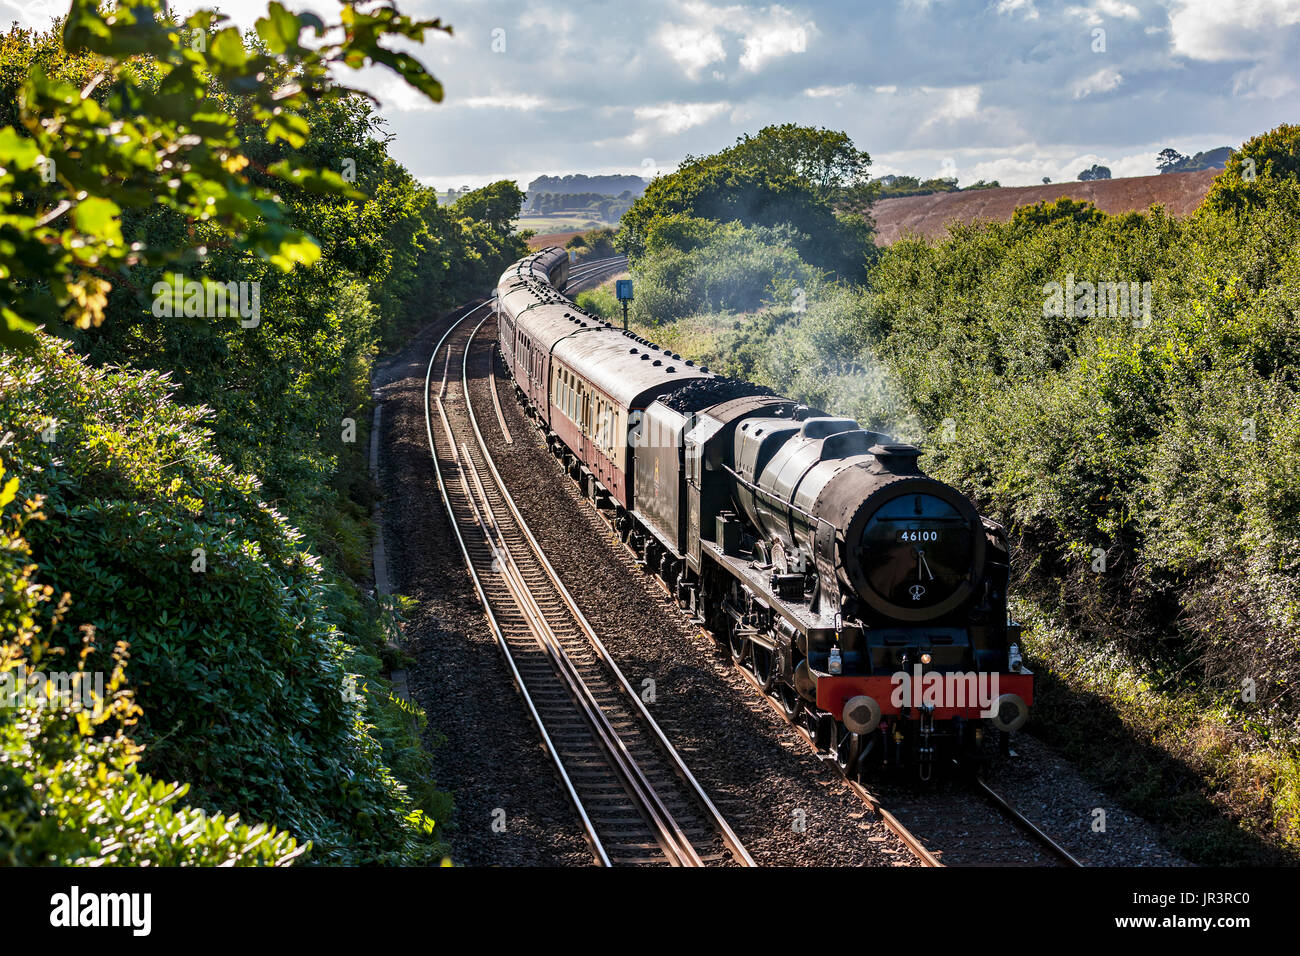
[(623, 289)]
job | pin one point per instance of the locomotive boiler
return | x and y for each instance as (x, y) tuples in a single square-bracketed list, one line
[(868, 598)]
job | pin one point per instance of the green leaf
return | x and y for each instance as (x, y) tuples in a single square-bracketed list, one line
[(18, 150), (411, 70), (15, 331), (297, 250), (289, 127), (228, 48), (97, 216), (279, 29), (324, 181)]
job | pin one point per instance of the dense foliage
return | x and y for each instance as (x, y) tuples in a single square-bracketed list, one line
[(72, 791), (695, 265), (239, 662), (785, 176), (143, 154), (593, 244), (1140, 441)]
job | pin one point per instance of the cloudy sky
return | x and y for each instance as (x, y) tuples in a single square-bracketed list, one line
[(1013, 90)]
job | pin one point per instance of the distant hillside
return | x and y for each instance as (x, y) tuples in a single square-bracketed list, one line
[(582, 183), (929, 215), (1172, 161)]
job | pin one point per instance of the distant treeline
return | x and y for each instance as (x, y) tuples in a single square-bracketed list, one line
[(593, 205), (577, 183), (892, 187)]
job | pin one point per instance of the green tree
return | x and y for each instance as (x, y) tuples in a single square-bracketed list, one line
[(826, 159), (743, 184), (496, 206), (159, 139), (1264, 165)]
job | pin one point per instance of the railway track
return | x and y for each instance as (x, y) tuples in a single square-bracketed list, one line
[(937, 817), (1007, 813), (915, 844), (596, 271), (636, 800)]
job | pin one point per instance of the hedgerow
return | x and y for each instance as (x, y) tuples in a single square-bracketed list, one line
[(72, 790), (186, 147), (1147, 464), (243, 679)]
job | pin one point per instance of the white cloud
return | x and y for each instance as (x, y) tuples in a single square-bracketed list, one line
[(1254, 31), (1008, 7), (668, 119), (697, 36), (779, 33), (507, 101), (1103, 81), (678, 117), (692, 47), (1241, 30), (558, 22), (1264, 80), (1096, 12), (959, 102)]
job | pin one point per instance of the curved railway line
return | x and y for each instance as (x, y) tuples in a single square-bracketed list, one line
[(636, 800)]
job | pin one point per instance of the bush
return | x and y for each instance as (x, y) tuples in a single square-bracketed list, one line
[(596, 244), (73, 792), (694, 265), (240, 666)]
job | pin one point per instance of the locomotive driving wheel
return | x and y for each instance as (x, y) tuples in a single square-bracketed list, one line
[(788, 698), (847, 751), (763, 660), (738, 644)]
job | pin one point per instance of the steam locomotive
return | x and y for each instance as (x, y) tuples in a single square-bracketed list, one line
[(869, 599)]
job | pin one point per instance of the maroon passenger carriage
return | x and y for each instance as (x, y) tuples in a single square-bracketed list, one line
[(868, 598)]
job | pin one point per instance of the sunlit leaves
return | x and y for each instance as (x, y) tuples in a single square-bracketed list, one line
[(17, 150), (227, 48), (324, 181), (294, 251), (99, 217), (146, 131), (289, 127), (279, 29)]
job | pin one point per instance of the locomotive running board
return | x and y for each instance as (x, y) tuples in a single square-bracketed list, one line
[(799, 616)]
